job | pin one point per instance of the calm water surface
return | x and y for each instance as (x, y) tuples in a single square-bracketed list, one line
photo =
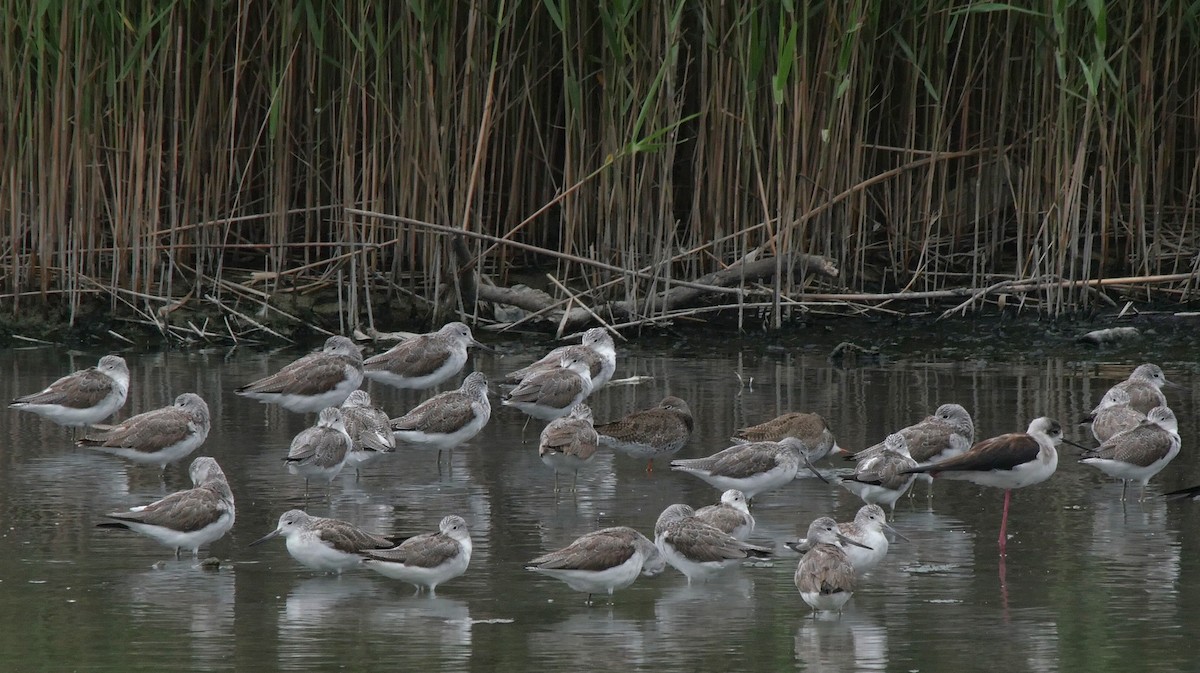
[(1090, 583)]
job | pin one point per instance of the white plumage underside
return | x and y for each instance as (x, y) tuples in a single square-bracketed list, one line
[(598, 581), (442, 441), (72, 417), (424, 577), (311, 552), (184, 540), (309, 404), (751, 486)]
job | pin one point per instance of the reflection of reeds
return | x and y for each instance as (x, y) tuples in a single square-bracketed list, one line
[(180, 151)]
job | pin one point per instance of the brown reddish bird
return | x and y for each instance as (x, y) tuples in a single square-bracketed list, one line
[(807, 427), (647, 434)]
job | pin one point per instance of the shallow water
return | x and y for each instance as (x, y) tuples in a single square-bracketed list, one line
[(1089, 583)]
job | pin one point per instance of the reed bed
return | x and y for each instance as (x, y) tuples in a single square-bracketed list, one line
[(182, 162)]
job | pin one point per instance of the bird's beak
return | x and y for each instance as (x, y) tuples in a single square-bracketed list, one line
[(1172, 385), (813, 469), (1078, 446), (266, 537), (482, 347), (846, 540), (895, 532), (796, 547)]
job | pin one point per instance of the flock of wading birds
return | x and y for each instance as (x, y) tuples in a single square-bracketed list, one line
[(1137, 431)]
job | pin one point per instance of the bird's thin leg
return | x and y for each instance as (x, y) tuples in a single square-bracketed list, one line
[(1004, 521)]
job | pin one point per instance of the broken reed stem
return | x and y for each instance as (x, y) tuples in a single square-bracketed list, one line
[(585, 307), (533, 248), (238, 314), (1012, 286)]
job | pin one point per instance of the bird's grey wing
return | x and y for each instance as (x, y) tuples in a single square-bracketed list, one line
[(745, 462), (148, 432), (556, 388), (310, 375), (825, 573), (186, 511), (349, 538), (79, 390), (596, 551), (416, 357), (422, 551), (450, 414)]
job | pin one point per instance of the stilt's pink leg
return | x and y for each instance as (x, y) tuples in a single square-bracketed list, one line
[(1004, 521)]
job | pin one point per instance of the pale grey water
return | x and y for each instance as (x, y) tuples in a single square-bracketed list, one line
[(1090, 583)]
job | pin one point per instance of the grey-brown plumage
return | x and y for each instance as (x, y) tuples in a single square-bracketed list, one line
[(825, 576), (548, 394), (156, 437), (731, 515), (449, 419), (315, 381), (868, 531), (597, 349), (1144, 386), (1139, 453), (319, 452), (751, 468), (948, 432), (602, 561), (82, 398), (324, 544), (567, 443), (425, 360), (698, 549), (599, 550), (426, 560), (186, 519), (1114, 415), (807, 427), (882, 478), (421, 551), (345, 536), (369, 428), (661, 430)]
